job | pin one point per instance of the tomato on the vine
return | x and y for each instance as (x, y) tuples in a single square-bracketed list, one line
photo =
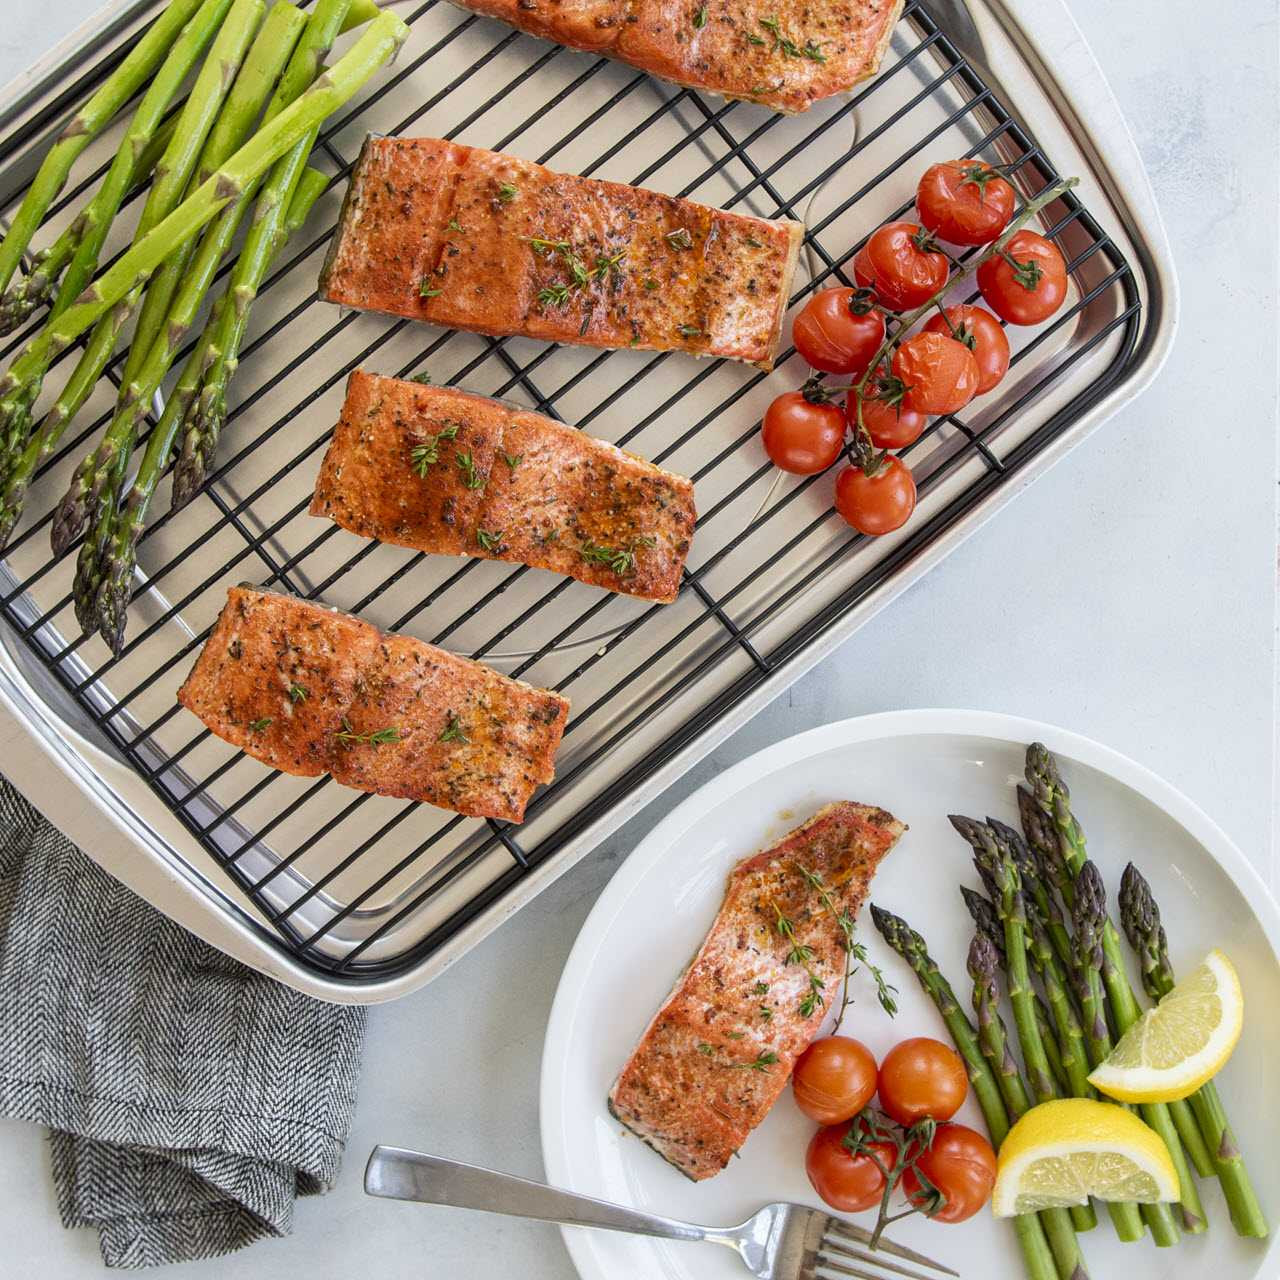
[(834, 1079), (838, 331), (922, 1079), (889, 423), (960, 1165), (877, 503), (983, 334), (903, 265), (802, 435), (1026, 281), (846, 1181), (964, 201), (940, 374)]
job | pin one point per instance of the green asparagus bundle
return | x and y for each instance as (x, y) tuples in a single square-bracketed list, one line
[(1140, 918), (1037, 1256)]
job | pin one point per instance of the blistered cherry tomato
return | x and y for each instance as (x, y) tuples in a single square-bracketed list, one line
[(964, 201), (834, 1079), (889, 423), (846, 1181), (837, 332), (961, 1165), (1027, 281), (983, 334), (940, 374), (802, 436), (878, 503), (905, 269), (922, 1078)]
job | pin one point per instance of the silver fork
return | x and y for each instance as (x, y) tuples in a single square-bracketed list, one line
[(780, 1242)]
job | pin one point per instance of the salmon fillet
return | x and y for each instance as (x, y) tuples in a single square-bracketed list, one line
[(452, 473), (308, 690), (720, 1050), (478, 240), (787, 59)]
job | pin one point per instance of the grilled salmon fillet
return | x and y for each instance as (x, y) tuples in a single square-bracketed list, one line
[(720, 1050), (478, 240), (787, 59), (445, 471), (308, 690)]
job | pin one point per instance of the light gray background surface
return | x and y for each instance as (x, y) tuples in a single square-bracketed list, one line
[(1128, 595)]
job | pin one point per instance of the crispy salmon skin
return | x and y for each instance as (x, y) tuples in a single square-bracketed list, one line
[(786, 58), (478, 240), (452, 473), (308, 690), (718, 1053)]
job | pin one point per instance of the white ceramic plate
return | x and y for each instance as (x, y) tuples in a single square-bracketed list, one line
[(920, 765)]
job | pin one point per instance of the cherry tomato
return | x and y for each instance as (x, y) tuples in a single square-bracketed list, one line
[(830, 335), (862, 271), (922, 1078), (904, 270), (846, 1181), (890, 424), (961, 1165), (983, 334), (939, 373), (800, 436), (964, 201), (880, 503), (1032, 292), (834, 1079)]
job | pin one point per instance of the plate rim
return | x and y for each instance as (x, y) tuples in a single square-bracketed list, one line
[(854, 730)]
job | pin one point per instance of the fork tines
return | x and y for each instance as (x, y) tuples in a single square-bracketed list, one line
[(844, 1250)]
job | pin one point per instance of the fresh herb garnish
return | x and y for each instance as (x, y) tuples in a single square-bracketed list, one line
[(472, 478), (426, 289), (372, 737), (424, 377), (761, 988), (764, 1060), (297, 693), (688, 331), (609, 264), (257, 726), (700, 18), (810, 50), (554, 295), (766, 1013), (752, 38), (507, 193), (679, 238), (513, 460), (801, 955), (650, 285), (752, 243), (705, 1049), (426, 454), (452, 731), (622, 560), (453, 225), (489, 541)]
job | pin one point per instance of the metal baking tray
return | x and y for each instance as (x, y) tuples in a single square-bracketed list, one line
[(360, 898)]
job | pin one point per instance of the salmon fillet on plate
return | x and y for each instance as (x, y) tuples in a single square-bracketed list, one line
[(718, 1053), (478, 240)]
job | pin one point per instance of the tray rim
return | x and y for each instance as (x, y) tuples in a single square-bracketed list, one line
[(143, 845)]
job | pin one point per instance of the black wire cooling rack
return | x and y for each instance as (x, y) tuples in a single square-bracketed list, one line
[(358, 887)]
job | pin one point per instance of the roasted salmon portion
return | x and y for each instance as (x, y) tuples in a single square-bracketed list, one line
[(478, 240), (452, 473), (308, 690), (787, 59), (718, 1053)]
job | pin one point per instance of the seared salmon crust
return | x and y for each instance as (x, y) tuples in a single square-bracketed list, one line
[(478, 240), (308, 690), (444, 471), (718, 1053), (787, 59)]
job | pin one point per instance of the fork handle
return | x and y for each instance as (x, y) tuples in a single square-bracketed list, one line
[(412, 1175)]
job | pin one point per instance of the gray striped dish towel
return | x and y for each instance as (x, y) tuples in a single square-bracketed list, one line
[(190, 1100)]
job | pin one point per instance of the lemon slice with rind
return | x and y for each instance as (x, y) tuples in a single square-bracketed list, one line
[(1180, 1044), (1061, 1153)]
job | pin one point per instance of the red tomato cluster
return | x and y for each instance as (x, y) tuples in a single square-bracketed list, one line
[(859, 1157), (958, 353)]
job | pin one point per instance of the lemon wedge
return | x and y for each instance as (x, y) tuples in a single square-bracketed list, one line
[(1061, 1153), (1180, 1044)]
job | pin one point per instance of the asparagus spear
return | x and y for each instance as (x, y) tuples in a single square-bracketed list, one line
[(1090, 915), (994, 1042), (1054, 800), (95, 488), (1036, 1254), (1140, 918), (141, 61)]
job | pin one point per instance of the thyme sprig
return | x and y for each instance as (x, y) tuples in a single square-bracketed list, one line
[(472, 478), (801, 955), (763, 1061), (371, 737), (810, 49), (489, 541), (622, 560), (298, 693), (257, 726), (452, 731), (425, 455)]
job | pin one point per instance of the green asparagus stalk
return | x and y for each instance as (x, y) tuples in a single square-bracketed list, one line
[(994, 1041), (1140, 918), (141, 61), (1038, 888), (21, 385), (1090, 914), (37, 287), (1037, 1257), (95, 489)]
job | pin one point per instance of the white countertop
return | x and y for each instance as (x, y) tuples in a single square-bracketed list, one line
[(1129, 595)]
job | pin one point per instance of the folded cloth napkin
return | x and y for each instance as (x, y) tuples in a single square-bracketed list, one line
[(191, 1100)]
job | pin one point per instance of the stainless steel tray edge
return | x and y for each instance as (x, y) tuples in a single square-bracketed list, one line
[(119, 821)]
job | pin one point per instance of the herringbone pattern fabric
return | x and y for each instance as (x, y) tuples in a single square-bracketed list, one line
[(190, 1099)]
